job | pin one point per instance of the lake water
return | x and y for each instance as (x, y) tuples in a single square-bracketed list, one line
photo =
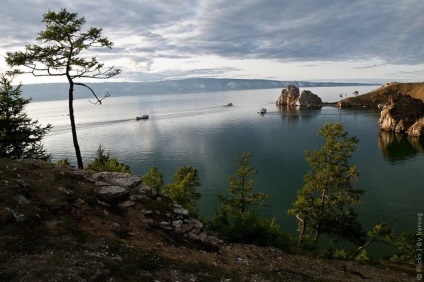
[(198, 129)]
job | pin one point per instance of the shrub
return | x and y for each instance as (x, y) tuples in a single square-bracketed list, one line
[(105, 163)]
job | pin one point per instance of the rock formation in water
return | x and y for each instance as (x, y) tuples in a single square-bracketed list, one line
[(402, 113), (290, 96), (307, 98)]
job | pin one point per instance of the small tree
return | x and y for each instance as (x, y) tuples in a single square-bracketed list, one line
[(20, 137), (183, 190), (105, 163), (154, 179), (240, 188), (237, 221), (60, 54), (325, 203)]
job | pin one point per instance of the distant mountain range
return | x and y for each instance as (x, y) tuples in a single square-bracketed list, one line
[(59, 91)]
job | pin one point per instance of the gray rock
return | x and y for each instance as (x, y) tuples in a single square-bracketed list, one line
[(18, 216), (66, 191), (118, 178), (111, 193), (21, 199), (127, 204)]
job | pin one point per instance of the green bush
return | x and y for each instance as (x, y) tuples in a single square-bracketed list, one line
[(105, 163), (154, 179), (64, 161), (249, 228), (184, 189)]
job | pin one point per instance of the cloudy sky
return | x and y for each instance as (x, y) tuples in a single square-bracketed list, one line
[(325, 40)]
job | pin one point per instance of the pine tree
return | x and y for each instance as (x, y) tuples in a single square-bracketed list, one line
[(20, 137), (154, 179), (240, 188), (61, 53), (325, 203), (183, 190)]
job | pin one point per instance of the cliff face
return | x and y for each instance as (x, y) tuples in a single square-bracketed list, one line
[(401, 113), (290, 96)]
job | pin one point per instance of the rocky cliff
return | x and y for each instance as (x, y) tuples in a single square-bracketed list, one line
[(288, 95), (402, 113), (291, 96)]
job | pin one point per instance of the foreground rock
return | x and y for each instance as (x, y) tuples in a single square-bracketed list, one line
[(402, 113), (126, 190), (291, 96)]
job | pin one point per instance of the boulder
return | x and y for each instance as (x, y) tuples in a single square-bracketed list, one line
[(117, 178), (288, 95), (400, 113), (112, 193), (307, 98)]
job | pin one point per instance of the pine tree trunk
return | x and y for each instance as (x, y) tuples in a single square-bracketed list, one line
[(302, 231), (73, 127)]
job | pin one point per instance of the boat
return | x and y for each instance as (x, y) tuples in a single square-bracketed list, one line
[(262, 111), (142, 117), (229, 104)]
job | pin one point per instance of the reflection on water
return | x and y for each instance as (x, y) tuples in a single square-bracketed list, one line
[(397, 147), (297, 113)]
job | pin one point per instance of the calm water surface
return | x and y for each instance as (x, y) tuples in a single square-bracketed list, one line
[(200, 130)]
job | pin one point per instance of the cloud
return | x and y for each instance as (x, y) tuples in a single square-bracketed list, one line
[(147, 32)]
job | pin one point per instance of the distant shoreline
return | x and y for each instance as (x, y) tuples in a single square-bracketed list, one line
[(59, 91)]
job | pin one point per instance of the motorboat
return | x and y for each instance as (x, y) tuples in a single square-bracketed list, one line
[(142, 117), (229, 104), (262, 111)]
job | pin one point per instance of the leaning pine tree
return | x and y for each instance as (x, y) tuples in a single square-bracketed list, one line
[(20, 137), (325, 204), (61, 53)]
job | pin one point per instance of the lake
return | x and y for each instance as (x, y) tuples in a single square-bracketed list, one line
[(198, 129)]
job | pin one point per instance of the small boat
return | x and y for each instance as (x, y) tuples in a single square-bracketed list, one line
[(142, 117), (229, 104), (262, 111)]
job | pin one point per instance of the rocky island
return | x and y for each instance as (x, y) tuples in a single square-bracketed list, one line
[(290, 96)]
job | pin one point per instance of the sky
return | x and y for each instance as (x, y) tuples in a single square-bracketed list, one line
[(374, 41)]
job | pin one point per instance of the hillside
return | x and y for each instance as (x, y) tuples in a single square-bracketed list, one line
[(57, 224), (59, 91), (381, 95)]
